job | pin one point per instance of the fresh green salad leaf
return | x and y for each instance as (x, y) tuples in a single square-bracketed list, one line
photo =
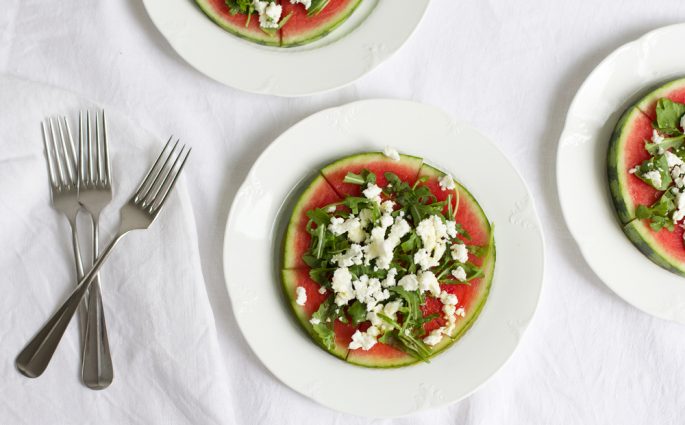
[(668, 116), (324, 329), (659, 213), (658, 164)]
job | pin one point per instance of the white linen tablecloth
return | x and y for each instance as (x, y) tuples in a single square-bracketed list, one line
[(509, 68)]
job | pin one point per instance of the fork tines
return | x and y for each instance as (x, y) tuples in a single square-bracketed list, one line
[(162, 176), (94, 165), (60, 152)]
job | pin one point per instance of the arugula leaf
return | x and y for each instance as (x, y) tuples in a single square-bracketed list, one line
[(659, 213), (668, 143), (357, 312), (668, 115), (659, 164), (317, 6), (324, 329)]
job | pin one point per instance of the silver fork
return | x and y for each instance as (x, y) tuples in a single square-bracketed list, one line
[(95, 192), (61, 159), (139, 213)]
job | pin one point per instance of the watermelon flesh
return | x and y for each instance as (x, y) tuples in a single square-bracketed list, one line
[(300, 28), (297, 239), (407, 169), (627, 150)]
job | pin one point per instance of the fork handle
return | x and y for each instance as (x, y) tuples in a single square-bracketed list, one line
[(97, 370), (82, 311), (34, 358)]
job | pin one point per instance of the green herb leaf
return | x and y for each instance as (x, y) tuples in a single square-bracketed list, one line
[(357, 312), (668, 115)]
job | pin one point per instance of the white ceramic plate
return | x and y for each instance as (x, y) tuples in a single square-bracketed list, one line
[(259, 216), (615, 84), (376, 30)]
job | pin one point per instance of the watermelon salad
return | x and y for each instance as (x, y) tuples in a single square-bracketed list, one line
[(284, 23), (387, 260), (646, 169)]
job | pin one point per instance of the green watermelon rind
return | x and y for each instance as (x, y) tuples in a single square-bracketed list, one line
[(635, 229), (663, 90), (237, 30), (623, 204), (289, 289), (639, 234), (324, 29), (486, 284)]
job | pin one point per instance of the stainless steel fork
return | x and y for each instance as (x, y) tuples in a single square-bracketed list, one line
[(94, 193), (61, 159), (139, 213)]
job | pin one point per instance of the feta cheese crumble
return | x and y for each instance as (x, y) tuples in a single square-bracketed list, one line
[(446, 182), (460, 252), (364, 340), (654, 176), (269, 13), (459, 273), (391, 153), (656, 137), (301, 296), (373, 192), (306, 3)]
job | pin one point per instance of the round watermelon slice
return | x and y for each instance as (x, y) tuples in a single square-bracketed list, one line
[(471, 297), (218, 12), (322, 192), (627, 150), (302, 28)]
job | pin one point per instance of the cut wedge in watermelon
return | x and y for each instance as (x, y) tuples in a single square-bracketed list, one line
[(299, 276), (297, 239), (407, 169), (627, 150), (292, 279), (471, 297), (302, 28), (218, 12)]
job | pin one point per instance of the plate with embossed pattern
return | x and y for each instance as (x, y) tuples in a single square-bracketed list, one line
[(374, 31), (254, 237)]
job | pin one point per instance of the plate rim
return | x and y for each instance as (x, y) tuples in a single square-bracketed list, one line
[(304, 57), (539, 239)]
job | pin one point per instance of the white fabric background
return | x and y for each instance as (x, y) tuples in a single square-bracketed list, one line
[(509, 68)]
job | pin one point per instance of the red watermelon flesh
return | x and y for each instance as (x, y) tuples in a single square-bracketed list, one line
[(407, 169), (219, 12), (297, 240), (674, 90), (302, 28), (300, 278)]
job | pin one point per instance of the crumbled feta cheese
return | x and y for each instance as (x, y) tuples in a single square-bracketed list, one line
[(460, 252), (446, 182), (381, 249), (451, 228), (433, 234), (391, 308), (679, 213), (632, 170), (352, 226), (322, 290), (342, 286), (409, 282), (389, 280), (314, 321), (269, 13), (365, 217), (373, 192), (460, 312), (387, 207), (429, 283), (353, 256), (391, 153), (447, 298), (434, 337), (301, 296), (449, 309), (331, 209), (656, 137), (673, 159), (654, 176), (459, 273), (306, 3), (364, 340)]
